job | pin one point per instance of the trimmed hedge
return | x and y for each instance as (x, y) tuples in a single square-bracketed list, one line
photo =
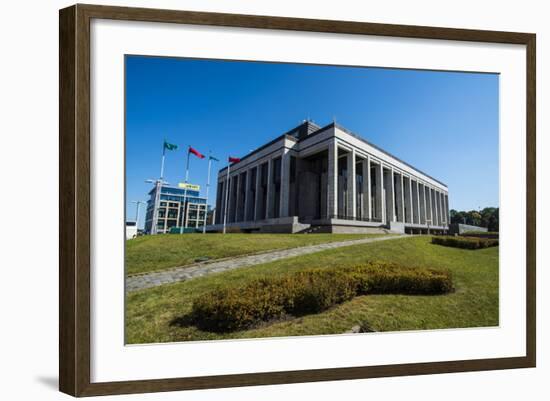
[(309, 291), (480, 234), (465, 242)]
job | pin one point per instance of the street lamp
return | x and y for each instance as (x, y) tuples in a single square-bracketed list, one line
[(138, 204)]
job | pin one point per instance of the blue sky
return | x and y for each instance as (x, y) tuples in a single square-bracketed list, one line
[(444, 123)]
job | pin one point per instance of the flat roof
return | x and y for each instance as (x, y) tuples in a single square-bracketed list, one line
[(379, 149), (178, 189), (320, 130)]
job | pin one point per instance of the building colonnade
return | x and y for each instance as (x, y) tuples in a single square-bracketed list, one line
[(356, 186)]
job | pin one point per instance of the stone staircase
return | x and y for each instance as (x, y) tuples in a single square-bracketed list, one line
[(314, 230)]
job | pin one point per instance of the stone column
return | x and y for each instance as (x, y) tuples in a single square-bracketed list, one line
[(367, 202), (230, 201), (444, 206), (406, 208), (423, 210), (285, 183), (238, 196), (392, 197), (434, 208), (257, 192), (268, 193), (438, 198), (236, 212), (424, 203), (436, 211), (246, 214), (447, 208), (399, 199), (411, 203), (219, 197), (380, 194), (332, 185), (444, 209), (222, 203), (430, 211), (402, 208), (226, 200), (351, 187), (418, 202), (439, 211), (233, 195)]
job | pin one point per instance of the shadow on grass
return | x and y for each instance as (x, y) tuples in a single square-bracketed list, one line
[(184, 321), (220, 327), (211, 326), (189, 321)]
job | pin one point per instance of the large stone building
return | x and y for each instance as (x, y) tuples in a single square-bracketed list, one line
[(328, 179)]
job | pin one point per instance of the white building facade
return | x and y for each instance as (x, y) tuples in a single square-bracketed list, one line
[(328, 179)]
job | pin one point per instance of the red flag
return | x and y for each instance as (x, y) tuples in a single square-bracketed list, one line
[(196, 153), (234, 159)]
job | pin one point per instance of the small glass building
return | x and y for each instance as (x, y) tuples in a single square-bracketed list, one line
[(178, 210)]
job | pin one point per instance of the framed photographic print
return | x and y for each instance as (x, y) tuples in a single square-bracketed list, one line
[(250, 200)]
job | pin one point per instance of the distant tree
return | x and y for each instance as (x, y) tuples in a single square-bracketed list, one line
[(488, 217), (457, 217), (453, 213), (474, 218)]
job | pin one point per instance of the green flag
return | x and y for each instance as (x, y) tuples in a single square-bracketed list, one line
[(170, 146), (213, 158)]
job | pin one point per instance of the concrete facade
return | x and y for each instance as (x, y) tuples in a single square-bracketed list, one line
[(328, 179)]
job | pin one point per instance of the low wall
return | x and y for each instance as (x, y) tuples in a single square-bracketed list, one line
[(464, 228), (335, 229)]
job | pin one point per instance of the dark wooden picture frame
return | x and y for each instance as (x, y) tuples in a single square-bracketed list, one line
[(74, 199)]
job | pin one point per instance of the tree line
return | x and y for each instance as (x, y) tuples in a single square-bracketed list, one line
[(487, 217)]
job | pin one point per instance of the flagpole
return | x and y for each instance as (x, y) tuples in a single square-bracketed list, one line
[(207, 188), (226, 197), (186, 204), (157, 192), (187, 167), (162, 160)]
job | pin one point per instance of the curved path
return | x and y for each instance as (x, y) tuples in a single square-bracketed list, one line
[(173, 275)]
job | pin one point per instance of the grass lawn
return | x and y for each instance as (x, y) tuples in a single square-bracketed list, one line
[(159, 314), (157, 252)]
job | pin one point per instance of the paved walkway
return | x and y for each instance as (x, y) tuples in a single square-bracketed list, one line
[(149, 280)]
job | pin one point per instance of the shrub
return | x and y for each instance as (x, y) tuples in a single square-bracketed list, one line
[(315, 290), (481, 234), (411, 282), (465, 242), (309, 291)]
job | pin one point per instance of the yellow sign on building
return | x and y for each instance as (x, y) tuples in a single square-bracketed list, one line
[(190, 187)]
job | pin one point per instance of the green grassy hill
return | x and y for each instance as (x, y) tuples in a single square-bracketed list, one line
[(159, 314), (158, 252)]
